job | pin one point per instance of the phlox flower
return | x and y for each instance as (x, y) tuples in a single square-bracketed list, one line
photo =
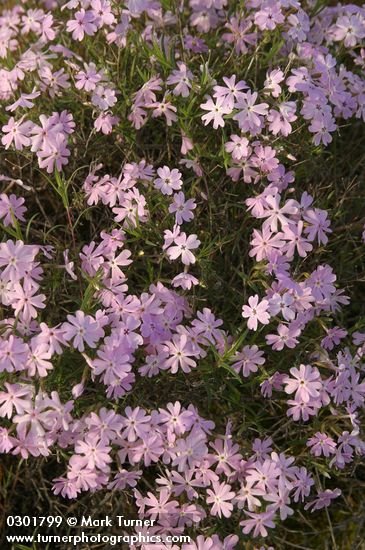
[(102, 11), (38, 362), (269, 16), (6, 441), (295, 241), (259, 522), (238, 147), (149, 451), (94, 452), (280, 502), (168, 180), (82, 328), (182, 208), (302, 484), (274, 213), (161, 506), (286, 337), (105, 122), (180, 354), (349, 29), (302, 410), (333, 338), (231, 91), (185, 281), (135, 423), (305, 382), (318, 226), (282, 304), (13, 354), (216, 111), (190, 451), (239, 35), (24, 300), (54, 154), (164, 108), (23, 101), (220, 496), (272, 83), (256, 312), (247, 360), (176, 419), (265, 160), (15, 396), (321, 444), (264, 243), (17, 259), (11, 206), (88, 78), (29, 443), (206, 325), (280, 119), (323, 500), (322, 126), (124, 479), (249, 114), (54, 83), (247, 496), (17, 132), (182, 78), (183, 246), (84, 23)]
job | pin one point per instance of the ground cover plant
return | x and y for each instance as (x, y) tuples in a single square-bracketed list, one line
[(182, 261)]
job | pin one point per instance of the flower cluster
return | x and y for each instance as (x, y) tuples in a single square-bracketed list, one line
[(168, 95)]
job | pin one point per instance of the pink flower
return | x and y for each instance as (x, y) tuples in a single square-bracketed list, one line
[(181, 78), (164, 108), (249, 114), (185, 281), (53, 155), (231, 91), (11, 206), (272, 82), (248, 360), (182, 208), (286, 337), (84, 23), (135, 424), (321, 444), (17, 132), (295, 241), (259, 523), (238, 147), (161, 506), (216, 111), (275, 214), (88, 78), (82, 328), (256, 312), (168, 180), (306, 382), (220, 496), (94, 452), (38, 363), (265, 243), (183, 247), (13, 354), (16, 396), (24, 300), (180, 352), (17, 258)]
